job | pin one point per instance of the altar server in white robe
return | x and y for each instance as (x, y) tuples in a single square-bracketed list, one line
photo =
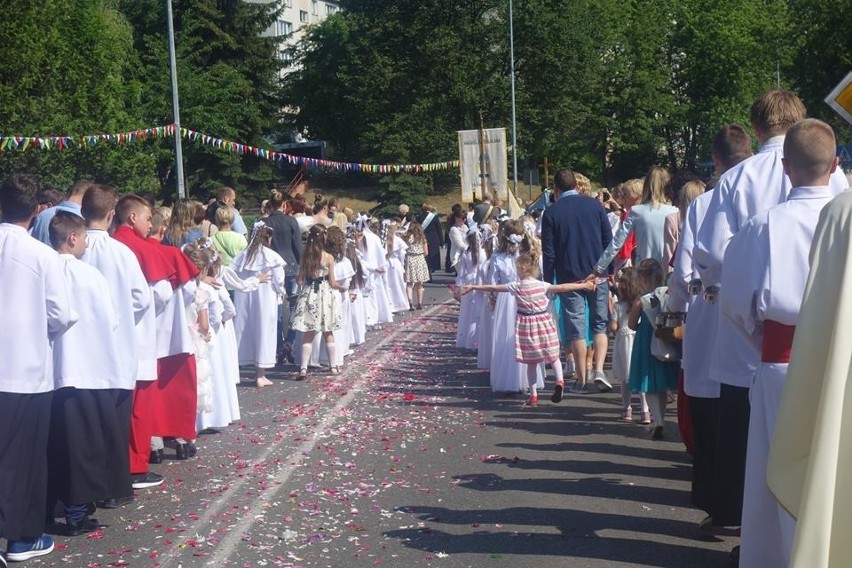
[(374, 262), (257, 311), (809, 464), (731, 145), (35, 309), (132, 300), (134, 222), (763, 281), (754, 185), (87, 448)]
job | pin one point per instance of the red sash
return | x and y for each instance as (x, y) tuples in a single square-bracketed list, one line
[(777, 342)]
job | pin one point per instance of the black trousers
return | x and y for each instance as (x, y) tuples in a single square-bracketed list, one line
[(705, 426), (88, 446), (24, 426), (729, 465)]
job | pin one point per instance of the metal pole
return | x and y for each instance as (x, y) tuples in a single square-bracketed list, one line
[(175, 104), (514, 121)]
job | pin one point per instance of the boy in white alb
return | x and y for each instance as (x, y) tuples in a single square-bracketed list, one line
[(35, 309), (763, 281), (133, 224), (134, 305), (87, 446), (752, 186)]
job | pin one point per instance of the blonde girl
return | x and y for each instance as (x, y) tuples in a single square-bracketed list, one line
[(507, 374), (182, 229), (395, 251), (317, 307), (536, 339)]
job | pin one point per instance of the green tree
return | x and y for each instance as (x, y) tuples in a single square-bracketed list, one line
[(392, 82), (67, 70), (823, 56), (228, 86)]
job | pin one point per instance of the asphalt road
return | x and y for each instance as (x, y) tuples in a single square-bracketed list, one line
[(408, 459)]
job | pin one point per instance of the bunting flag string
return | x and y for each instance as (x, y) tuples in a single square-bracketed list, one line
[(22, 143)]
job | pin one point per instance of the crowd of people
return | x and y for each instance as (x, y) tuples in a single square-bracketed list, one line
[(701, 285), (125, 324), (129, 322)]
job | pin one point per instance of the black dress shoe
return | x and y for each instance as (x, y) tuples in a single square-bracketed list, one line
[(156, 456), (186, 450), (115, 503), (85, 526)]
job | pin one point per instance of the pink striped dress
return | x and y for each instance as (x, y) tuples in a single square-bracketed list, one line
[(536, 338)]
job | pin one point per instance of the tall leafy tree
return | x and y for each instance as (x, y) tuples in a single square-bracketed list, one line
[(67, 70), (228, 85), (822, 56)]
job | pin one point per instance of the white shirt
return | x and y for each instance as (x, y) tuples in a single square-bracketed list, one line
[(89, 355), (130, 294), (35, 308), (752, 186), (766, 267), (702, 321), (173, 333)]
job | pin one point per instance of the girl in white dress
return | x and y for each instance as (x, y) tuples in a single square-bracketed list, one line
[(317, 307), (396, 248), (486, 304), (469, 273), (507, 375), (356, 294), (222, 406), (375, 265), (628, 291), (257, 312)]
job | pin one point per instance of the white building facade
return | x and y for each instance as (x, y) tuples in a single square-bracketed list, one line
[(295, 16)]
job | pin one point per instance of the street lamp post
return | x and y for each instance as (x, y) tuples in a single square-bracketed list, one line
[(175, 104), (514, 122)]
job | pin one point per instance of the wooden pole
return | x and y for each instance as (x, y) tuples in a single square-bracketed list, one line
[(546, 167)]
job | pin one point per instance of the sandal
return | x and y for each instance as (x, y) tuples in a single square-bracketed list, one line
[(303, 374), (263, 382), (627, 415), (334, 370)]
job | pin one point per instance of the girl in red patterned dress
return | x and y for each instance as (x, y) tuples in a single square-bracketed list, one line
[(536, 338)]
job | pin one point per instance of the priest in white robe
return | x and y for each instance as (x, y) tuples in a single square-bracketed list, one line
[(763, 280)]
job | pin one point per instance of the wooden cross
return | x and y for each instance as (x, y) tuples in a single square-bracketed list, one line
[(546, 167)]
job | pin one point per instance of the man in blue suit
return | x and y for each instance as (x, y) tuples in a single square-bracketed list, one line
[(574, 233)]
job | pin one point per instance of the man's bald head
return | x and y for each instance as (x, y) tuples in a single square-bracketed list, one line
[(810, 152)]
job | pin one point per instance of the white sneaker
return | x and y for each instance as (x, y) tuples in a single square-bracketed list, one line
[(599, 378)]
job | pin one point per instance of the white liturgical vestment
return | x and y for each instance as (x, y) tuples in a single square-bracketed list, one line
[(35, 308)]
